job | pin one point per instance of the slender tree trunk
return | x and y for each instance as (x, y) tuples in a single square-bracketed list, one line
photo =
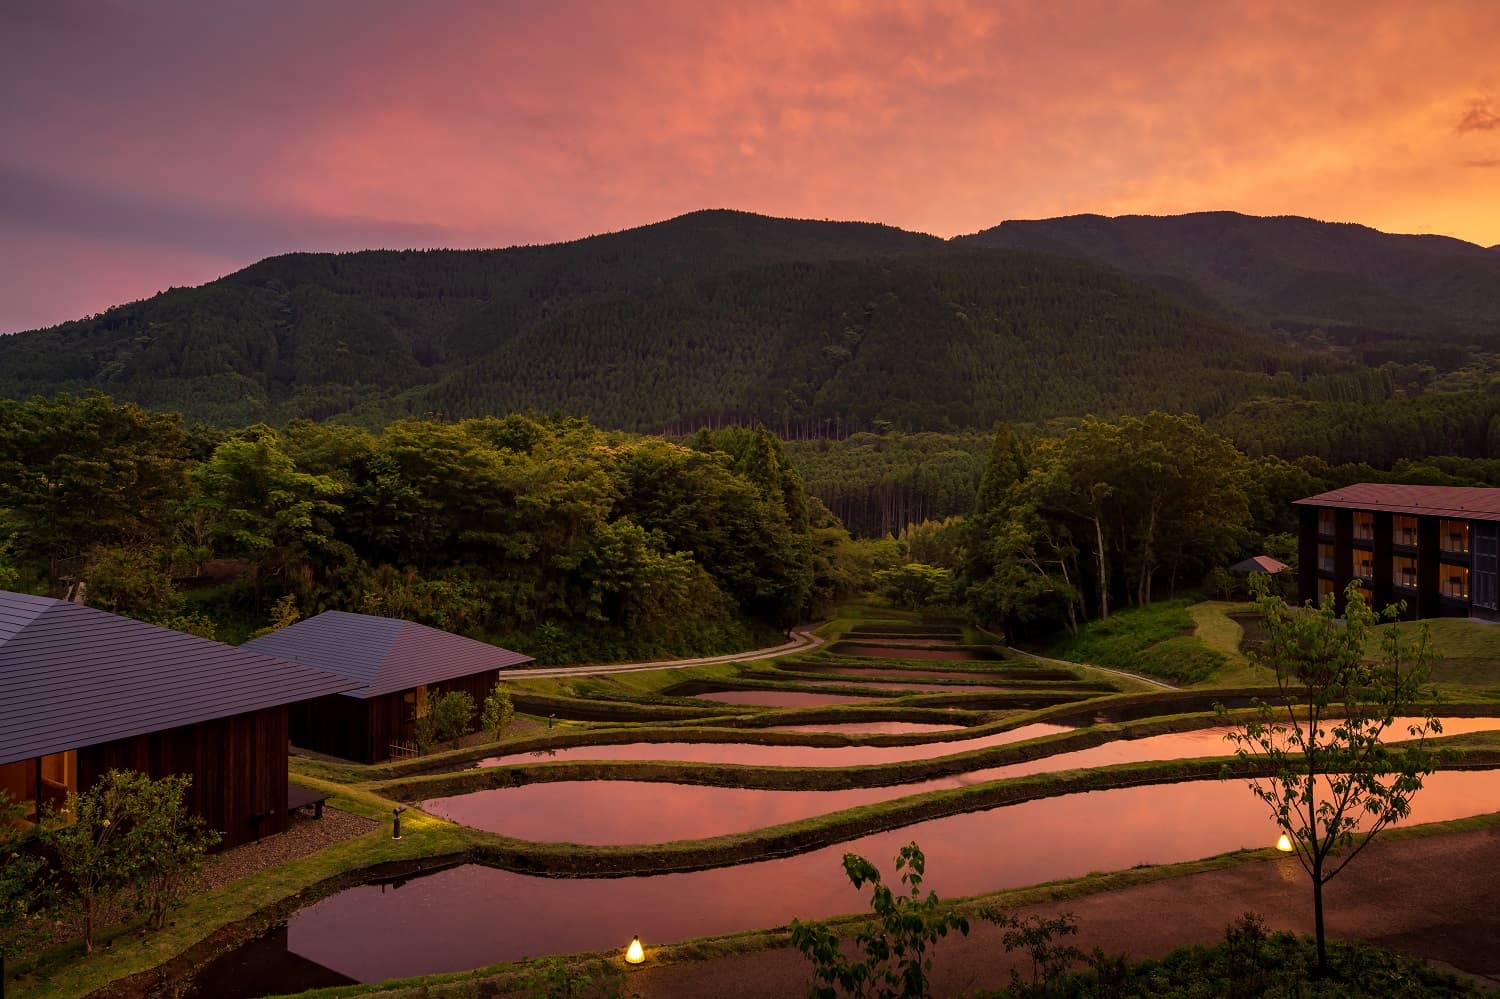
[(1103, 569), (1318, 920)]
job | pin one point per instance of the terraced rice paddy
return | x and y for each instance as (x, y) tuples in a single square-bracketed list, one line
[(469, 916)]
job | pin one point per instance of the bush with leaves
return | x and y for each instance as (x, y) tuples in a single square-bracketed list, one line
[(25, 885), (450, 715), (129, 830), (498, 711), (174, 843), (93, 850), (553, 979), (896, 946), (1039, 937)]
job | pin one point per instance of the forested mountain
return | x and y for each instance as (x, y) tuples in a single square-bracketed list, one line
[(925, 342), (820, 330), (312, 334), (1288, 269)]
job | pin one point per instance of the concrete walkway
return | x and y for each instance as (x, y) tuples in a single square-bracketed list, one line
[(1435, 897)]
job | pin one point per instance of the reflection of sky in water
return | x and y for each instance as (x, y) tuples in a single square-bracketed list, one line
[(474, 916), (781, 756), (642, 812)]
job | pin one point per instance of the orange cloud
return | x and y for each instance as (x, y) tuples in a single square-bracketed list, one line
[(488, 124)]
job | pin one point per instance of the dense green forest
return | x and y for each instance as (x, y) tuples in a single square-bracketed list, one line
[(575, 543), (882, 358), (554, 537)]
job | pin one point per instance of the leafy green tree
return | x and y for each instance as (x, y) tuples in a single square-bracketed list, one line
[(267, 510), (915, 585), (498, 711), (131, 581), (80, 472), (1335, 782), (896, 948)]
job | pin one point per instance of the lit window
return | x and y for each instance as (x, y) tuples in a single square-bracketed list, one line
[(1455, 536), (1404, 530), (1325, 558), (1404, 572)]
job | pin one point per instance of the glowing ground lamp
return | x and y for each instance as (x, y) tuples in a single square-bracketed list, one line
[(635, 953), (1284, 844)]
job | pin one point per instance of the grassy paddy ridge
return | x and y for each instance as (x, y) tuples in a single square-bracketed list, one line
[(645, 708)]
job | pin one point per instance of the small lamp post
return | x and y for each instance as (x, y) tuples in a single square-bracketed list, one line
[(396, 824), (635, 953)]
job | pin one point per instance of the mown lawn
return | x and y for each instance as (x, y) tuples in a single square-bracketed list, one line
[(1469, 650)]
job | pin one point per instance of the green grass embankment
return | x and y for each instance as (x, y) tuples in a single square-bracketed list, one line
[(1184, 641)]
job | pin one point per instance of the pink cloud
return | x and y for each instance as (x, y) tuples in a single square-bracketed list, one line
[(487, 124)]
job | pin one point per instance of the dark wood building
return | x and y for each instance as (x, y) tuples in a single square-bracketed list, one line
[(1434, 548), (397, 664), (83, 692)]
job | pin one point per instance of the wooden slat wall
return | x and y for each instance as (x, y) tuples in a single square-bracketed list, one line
[(238, 766), (336, 725), (363, 729)]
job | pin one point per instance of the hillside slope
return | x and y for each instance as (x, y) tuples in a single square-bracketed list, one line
[(1288, 269), (928, 342), (316, 333)]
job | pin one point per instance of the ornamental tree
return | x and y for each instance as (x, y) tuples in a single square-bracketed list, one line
[(1334, 782)]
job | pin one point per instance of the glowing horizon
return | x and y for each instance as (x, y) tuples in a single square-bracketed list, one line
[(172, 143)]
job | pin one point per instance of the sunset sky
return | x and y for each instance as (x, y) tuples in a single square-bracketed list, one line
[(149, 143)]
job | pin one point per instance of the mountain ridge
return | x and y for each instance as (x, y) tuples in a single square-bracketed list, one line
[(745, 316)]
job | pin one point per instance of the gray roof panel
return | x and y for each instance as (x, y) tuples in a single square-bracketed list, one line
[(74, 676), (385, 654)]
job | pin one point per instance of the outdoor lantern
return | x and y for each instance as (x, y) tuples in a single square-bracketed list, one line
[(1284, 844), (635, 954)]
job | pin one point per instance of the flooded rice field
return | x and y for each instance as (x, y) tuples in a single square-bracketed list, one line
[(472, 916), (779, 756), (651, 812)]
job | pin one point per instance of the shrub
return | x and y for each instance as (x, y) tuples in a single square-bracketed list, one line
[(896, 960), (498, 711), (450, 715)]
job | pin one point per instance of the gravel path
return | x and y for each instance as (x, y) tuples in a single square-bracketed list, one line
[(306, 836)]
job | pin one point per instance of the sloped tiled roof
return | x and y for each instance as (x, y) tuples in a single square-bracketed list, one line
[(384, 654), (74, 676), (1455, 502), (1259, 563)]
